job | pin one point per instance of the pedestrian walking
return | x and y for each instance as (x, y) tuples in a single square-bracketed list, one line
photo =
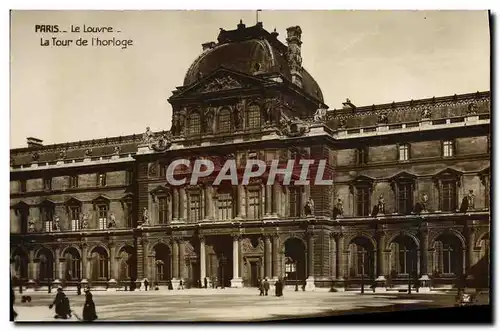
[(266, 286), (278, 288), (13, 313), (79, 288), (89, 313), (61, 303), (181, 284), (146, 284), (261, 287), (205, 282)]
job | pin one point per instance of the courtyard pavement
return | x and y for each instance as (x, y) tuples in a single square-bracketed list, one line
[(214, 305)]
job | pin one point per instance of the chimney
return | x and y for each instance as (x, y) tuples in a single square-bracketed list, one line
[(208, 45), (275, 34), (348, 104), (241, 26), (34, 142), (294, 42)]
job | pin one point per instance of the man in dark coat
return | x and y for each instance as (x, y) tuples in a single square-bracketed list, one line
[(79, 288), (266, 286), (61, 302), (146, 284), (205, 282), (89, 313), (278, 288)]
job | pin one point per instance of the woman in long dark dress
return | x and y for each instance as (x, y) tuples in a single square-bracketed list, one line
[(89, 313)]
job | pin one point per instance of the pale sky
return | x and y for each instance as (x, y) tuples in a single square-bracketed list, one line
[(371, 57)]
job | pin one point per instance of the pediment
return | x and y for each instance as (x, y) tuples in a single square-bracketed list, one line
[(159, 190), (221, 79), (448, 172), (47, 202), (102, 198), (403, 176), (485, 172), (362, 179), (20, 205), (72, 201)]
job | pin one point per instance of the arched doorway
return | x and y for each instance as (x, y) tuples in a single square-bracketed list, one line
[(403, 258), (162, 263), (361, 258), (45, 265), (19, 265), (73, 263), (295, 261), (99, 265), (221, 260)]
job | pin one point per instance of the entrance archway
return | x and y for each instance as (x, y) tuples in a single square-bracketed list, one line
[(222, 259), (162, 264), (295, 260), (361, 258)]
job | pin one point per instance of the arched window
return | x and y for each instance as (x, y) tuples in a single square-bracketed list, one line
[(46, 265), (224, 120), (73, 264), (162, 262), (448, 254), (194, 124), (361, 258), (403, 255), (20, 261), (253, 117), (99, 264)]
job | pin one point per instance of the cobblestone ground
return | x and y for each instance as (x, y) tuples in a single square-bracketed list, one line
[(220, 305)]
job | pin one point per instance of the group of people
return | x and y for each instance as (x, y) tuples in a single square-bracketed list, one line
[(63, 309), (264, 287)]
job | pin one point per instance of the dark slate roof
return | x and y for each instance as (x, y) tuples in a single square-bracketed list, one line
[(241, 50)]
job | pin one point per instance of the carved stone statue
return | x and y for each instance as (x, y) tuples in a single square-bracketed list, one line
[(161, 143), (309, 207), (421, 207), (269, 110), (338, 210), (175, 129), (470, 198), (85, 221), (62, 154), (182, 121), (238, 114), (342, 123), (426, 113), (88, 152), (472, 109), (35, 156), (31, 226), (383, 119), (320, 115), (147, 136), (145, 216), (55, 225), (112, 221), (379, 208), (208, 120), (116, 150)]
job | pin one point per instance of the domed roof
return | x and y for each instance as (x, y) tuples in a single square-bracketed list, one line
[(252, 51)]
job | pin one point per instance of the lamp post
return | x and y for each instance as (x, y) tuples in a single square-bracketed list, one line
[(296, 276), (363, 273), (409, 278)]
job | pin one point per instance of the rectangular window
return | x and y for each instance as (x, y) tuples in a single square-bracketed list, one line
[(47, 214), (194, 207), (48, 226), (73, 181), (448, 148), (225, 204), (160, 274), (405, 198), (447, 259), (102, 214), (163, 170), (361, 156), (449, 196), (47, 184), (254, 204), (75, 218), (22, 186), (162, 210), (294, 201), (363, 201), (404, 152), (129, 176), (101, 180)]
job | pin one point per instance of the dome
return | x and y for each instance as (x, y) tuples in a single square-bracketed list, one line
[(252, 51)]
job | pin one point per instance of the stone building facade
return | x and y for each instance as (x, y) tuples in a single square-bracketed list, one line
[(410, 199)]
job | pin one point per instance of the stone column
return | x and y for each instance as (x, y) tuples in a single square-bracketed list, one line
[(333, 254), (175, 204), (340, 255), (267, 257), (276, 261), (203, 261), (424, 280), (31, 272), (380, 281), (57, 264), (112, 253), (277, 200), (241, 202), (209, 204), (268, 200), (310, 261), (175, 264), (85, 268), (182, 262), (470, 247), (236, 281), (183, 204)]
